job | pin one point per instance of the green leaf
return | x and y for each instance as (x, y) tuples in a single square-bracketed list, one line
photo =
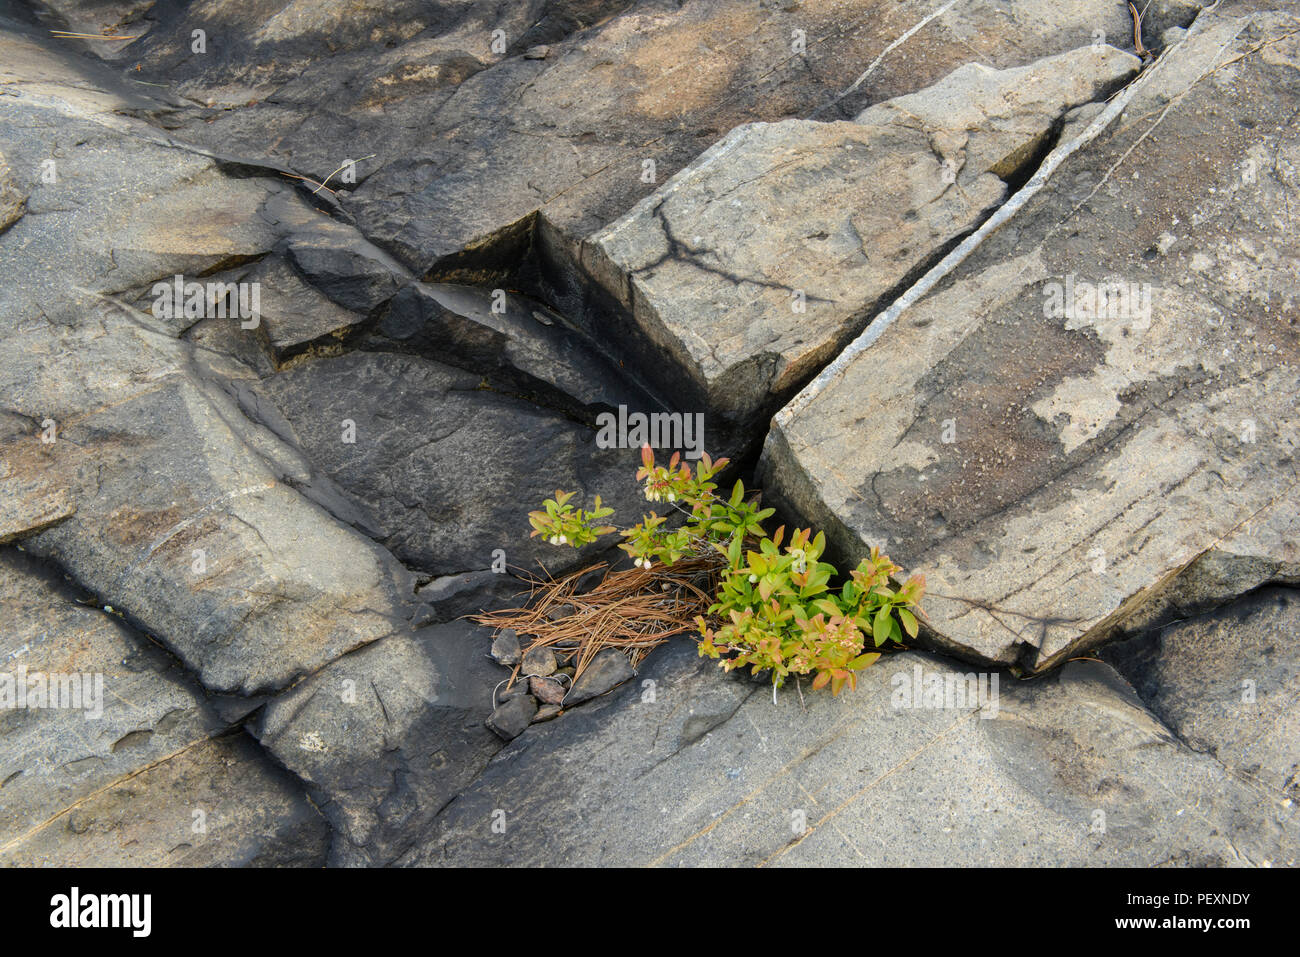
[(909, 621), (880, 627), (737, 493)]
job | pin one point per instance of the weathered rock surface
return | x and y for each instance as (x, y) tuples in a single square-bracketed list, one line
[(1051, 458), (546, 712), (128, 762), (184, 521), (13, 199), (173, 487), (467, 593), (1254, 554), (470, 141), (386, 736), (525, 348), (298, 316), (197, 521), (120, 19), (753, 266), (348, 269), (1227, 683), (261, 500), (447, 471), (249, 812), (158, 209), (30, 497), (1070, 769)]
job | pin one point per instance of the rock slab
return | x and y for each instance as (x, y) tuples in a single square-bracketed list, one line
[(750, 268), (1101, 397)]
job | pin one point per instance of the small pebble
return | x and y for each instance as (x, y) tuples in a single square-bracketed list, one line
[(538, 660), (510, 718), (505, 648), (546, 690), (546, 712)]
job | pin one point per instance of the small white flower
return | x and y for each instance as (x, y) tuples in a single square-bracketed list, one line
[(563, 540), (672, 496), (554, 539), (753, 579)]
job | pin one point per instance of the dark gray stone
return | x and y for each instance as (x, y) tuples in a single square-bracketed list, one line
[(386, 736), (204, 526), (226, 337), (183, 437), (560, 612), (185, 521), (609, 669), (518, 689), (527, 348), (468, 593), (297, 315), (448, 471), (505, 648), (348, 269), (1227, 683), (512, 717)]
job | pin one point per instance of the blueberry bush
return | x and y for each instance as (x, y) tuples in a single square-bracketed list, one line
[(779, 606)]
